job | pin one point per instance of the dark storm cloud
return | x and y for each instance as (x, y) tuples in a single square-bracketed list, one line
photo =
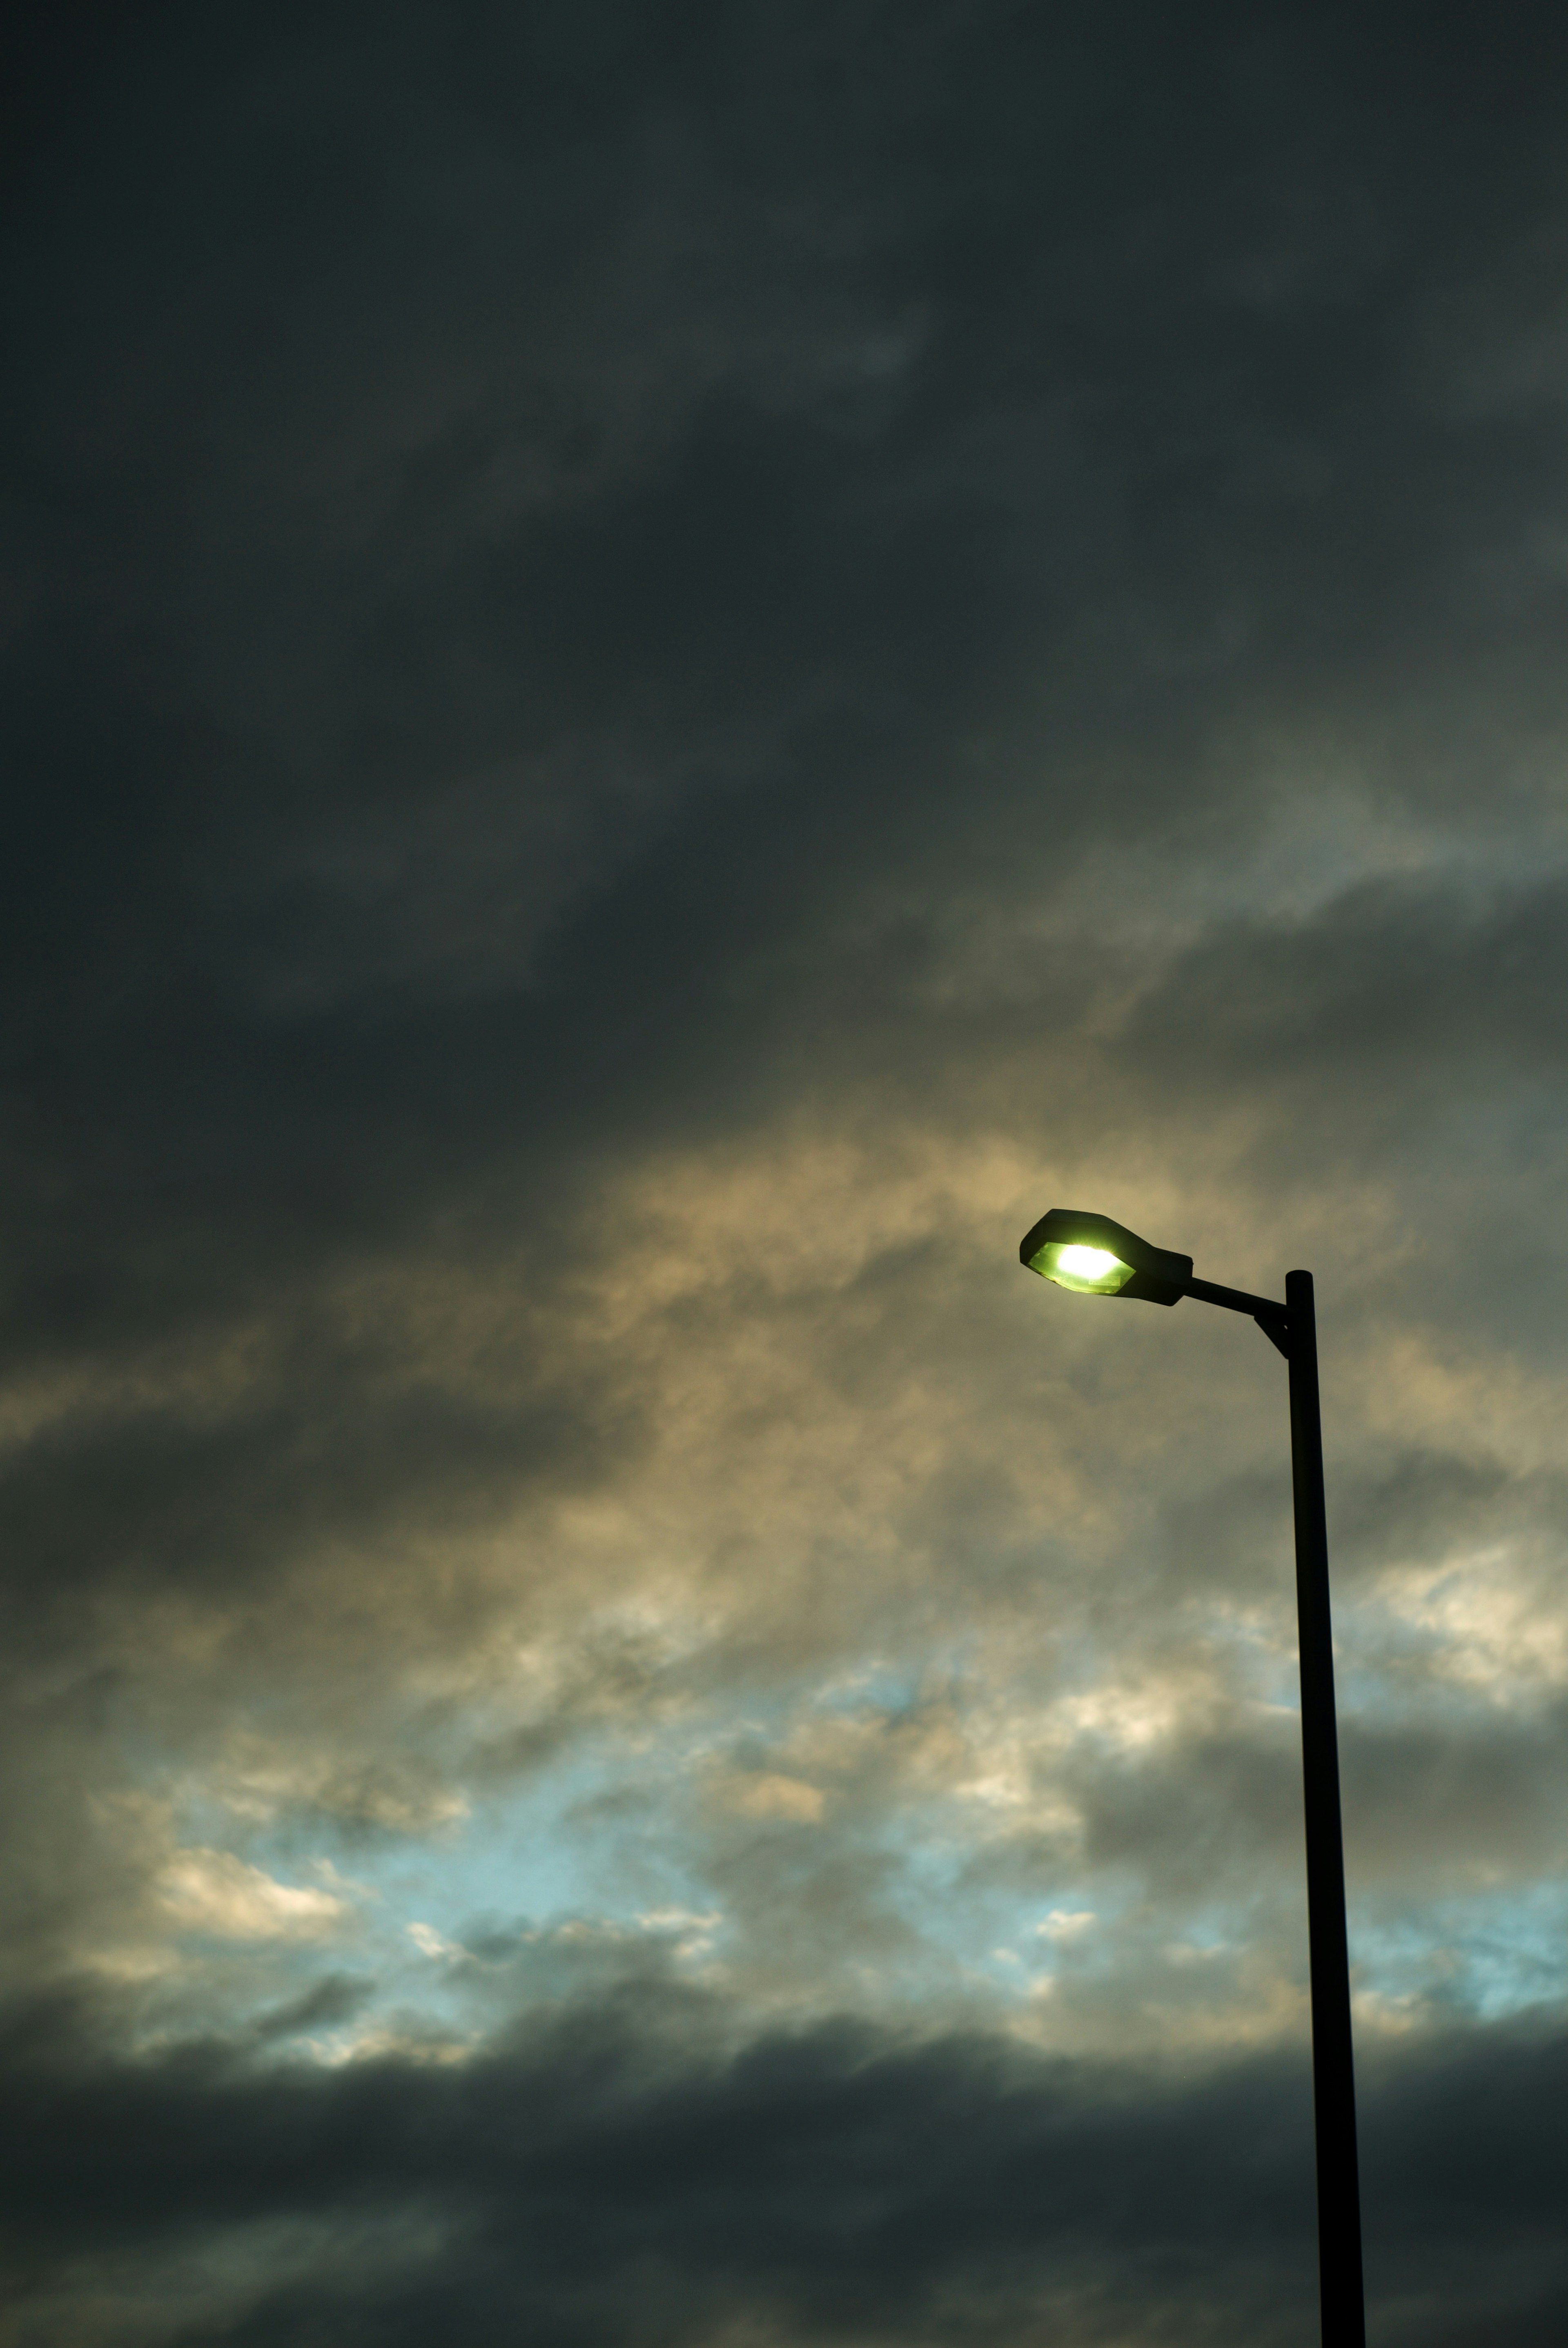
[(1398, 999), (324, 1438), (630, 2170), (513, 521)]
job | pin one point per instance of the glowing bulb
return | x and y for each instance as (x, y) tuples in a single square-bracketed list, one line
[(1090, 1270), (1088, 1263)]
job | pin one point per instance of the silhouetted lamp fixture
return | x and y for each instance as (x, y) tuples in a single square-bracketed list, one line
[(1092, 1256)]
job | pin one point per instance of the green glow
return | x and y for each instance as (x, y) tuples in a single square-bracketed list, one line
[(1089, 1271)]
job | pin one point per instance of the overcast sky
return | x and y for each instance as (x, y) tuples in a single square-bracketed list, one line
[(665, 667)]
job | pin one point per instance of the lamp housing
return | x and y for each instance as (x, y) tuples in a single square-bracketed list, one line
[(1092, 1256)]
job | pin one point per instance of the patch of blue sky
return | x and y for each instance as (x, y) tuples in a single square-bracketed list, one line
[(520, 1900), (1489, 1956), (549, 1848), (1209, 1931), (530, 1855), (596, 1834), (966, 1921), (875, 1686)]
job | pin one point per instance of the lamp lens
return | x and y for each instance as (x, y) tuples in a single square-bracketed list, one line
[(1090, 1271), (1087, 1264)]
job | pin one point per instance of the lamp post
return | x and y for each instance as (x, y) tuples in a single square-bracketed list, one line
[(1092, 1256)]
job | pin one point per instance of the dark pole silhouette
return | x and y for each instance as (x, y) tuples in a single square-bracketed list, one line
[(1094, 1256), (1333, 2070)]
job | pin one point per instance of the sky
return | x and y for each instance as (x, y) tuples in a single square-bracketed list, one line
[(665, 667)]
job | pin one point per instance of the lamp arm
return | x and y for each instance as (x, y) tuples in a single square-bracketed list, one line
[(1271, 1317)]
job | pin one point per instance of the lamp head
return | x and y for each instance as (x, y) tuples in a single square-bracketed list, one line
[(1095, 1257)]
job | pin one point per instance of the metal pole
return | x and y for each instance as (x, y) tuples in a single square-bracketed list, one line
[(1333, 2073)]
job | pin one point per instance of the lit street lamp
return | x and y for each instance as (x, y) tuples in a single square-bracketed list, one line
[(1092, 1256)]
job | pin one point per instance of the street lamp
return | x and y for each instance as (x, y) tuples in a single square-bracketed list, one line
[(1092, 1256)]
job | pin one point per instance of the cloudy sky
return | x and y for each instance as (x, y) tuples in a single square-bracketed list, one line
[(669, 662)]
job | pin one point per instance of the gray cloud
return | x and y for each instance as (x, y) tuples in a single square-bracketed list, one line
[(634, 2169)]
